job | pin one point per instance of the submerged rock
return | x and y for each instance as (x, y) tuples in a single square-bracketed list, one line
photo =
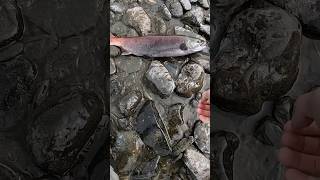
[(128, 147), (129, 103), (58, 134), (202, 137), (190, 80), (258, 59), (139, 19), (198, 164), (160, 78)]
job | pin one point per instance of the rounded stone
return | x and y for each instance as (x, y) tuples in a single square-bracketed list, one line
[(257, 60), (138, 19)]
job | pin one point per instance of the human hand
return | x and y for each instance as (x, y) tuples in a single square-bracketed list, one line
[(204, 107), (300, 153)]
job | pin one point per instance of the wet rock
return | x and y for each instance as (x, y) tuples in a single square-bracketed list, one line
[(204, 3), (204, 61), (11, 23), (202, 137), (128, 64), (182, 145), (263, 63), (185, 32), (114, 51), (175, 8), (283, 109), (57, 135), (269, 132), (147, 125), (205, 29), (163, 9), (138, 19), (160, 78), (194, 17), (58, 12), (198, 164), (113, 68), (117, 7), (174, 121), (129, 103), (308, 13), (159, 25), (186, 4), (128, 147), (17, 78), (147, 169), (190, 80), (121, 30)]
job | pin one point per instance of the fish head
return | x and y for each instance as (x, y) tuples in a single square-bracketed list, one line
[(194, 44)]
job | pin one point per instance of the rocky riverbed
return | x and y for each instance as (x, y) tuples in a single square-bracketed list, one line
[(155, 132), (265, 54)]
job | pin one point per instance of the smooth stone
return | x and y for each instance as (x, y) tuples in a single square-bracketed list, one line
[(117, 7), (194, 17), (159, 25), (128, 64), (185, 4), (204, 3), (197, 163), (114, 51), (205, 29), (129, 102), (165, 12), (160, 78)]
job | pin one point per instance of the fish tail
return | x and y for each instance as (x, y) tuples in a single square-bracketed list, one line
[(114, 41)]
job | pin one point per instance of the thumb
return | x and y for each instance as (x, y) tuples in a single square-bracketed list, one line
[(302, 115)]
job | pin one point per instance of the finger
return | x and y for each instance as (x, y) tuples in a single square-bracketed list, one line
[(301, 116), (204, 106), (304, 144), (203, 112), (311, 130), (293, 174), (206, 95), (306, 163), (204, 119)]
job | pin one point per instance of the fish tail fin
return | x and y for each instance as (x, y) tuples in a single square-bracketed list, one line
[(114, 40)]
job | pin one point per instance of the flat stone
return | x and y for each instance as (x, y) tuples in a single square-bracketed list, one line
[(139, 19), (160, 78)]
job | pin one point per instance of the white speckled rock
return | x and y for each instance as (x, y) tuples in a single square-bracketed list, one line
[(198, 164), (139, 19)]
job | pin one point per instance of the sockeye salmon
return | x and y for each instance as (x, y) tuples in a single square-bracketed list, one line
[(158, 46)]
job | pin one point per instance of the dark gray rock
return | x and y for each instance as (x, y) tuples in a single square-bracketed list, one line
[(128, 147), (283, 109), (160, 78), (175, 8), (129, 103), (263, 63), (269, 132), (190, 80)]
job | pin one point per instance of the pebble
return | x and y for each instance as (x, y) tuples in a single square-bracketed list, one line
[(113, 68), (197, 163), (202, 137), (129, 103), (194, 17), (186, 4), (190, 80), (139, 19), (175, 8), (165, 12), (160, 78)]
